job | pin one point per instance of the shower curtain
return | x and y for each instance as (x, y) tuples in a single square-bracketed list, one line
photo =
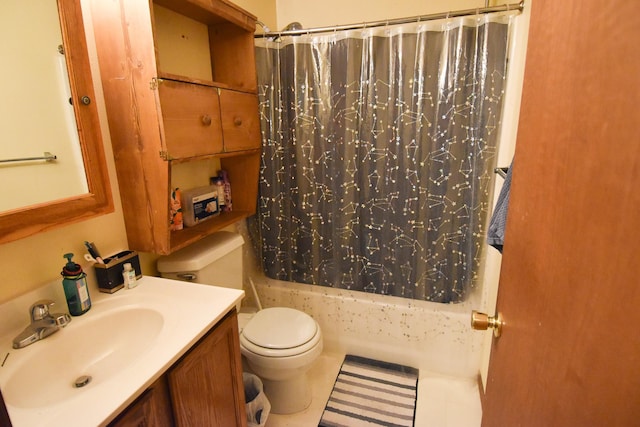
[(378, 151)]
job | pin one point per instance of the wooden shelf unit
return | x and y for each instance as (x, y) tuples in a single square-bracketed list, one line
[(159, 118)]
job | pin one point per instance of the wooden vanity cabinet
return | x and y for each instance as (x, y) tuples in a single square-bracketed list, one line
[(206, 385), (153, 408), (204, 388), (163, 112)]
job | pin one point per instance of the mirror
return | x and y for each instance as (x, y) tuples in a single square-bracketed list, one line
[(36, 116), (89, 189)]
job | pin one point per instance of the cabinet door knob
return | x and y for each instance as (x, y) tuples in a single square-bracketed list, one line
[(237, 121), (206, 120)]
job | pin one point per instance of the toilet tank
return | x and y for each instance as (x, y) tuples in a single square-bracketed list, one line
[(214, 260)]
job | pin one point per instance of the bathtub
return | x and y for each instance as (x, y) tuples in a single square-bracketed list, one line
[(432, 337)]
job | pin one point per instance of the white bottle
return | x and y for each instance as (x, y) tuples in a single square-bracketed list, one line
[(220, 187), (129, 276)]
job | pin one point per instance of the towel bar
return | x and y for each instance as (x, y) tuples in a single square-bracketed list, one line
[(47, 157)]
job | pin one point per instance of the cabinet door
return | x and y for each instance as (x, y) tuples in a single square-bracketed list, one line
[(191, 119), (240, 120), (206, 385), (4, 415), (153, 408)]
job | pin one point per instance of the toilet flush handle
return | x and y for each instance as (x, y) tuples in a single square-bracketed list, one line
[(190, 277)]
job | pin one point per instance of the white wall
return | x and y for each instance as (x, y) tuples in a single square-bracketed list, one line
[(334, 12), (264, 10)]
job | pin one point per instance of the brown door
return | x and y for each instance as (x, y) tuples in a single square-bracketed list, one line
[(570, 279)]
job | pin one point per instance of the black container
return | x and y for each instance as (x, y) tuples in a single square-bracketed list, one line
[(109, 274)]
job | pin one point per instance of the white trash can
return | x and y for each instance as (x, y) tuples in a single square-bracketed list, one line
[(257, 404)]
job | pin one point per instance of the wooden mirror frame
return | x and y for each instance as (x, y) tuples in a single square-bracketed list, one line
[(22, 222)]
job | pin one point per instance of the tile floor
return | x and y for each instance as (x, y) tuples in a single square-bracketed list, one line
[(442, 401)]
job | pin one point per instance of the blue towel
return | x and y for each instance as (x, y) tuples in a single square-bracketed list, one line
[(495, 234)]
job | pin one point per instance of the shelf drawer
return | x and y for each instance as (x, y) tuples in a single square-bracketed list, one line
[(240, 120), (191, 116)]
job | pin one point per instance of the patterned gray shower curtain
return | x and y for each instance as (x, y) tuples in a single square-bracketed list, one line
[(378, 152)]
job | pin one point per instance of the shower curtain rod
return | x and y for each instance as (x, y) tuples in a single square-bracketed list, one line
[(431, 17)]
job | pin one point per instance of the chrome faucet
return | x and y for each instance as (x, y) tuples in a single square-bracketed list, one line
[(42, 324)]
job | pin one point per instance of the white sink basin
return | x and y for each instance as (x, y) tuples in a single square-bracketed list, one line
[(125, 343), (98, 348)]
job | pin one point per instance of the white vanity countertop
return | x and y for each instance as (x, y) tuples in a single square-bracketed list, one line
[(188, 312)]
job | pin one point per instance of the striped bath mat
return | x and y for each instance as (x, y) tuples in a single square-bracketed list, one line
[(368, 392)]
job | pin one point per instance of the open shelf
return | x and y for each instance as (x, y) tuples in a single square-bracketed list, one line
[(205, 44), (188, 235), (242, 169)]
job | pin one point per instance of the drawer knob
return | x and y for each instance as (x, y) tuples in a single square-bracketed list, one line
[(206, 120), (237, 121)]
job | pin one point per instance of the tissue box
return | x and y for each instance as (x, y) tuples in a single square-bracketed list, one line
[(109, 274)]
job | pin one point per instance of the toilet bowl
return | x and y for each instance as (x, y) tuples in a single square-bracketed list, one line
[(279, 345)]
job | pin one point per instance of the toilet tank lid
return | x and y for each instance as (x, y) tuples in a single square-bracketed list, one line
[(200, 254)]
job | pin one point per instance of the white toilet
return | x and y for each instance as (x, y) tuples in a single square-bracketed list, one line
[(279, 344)]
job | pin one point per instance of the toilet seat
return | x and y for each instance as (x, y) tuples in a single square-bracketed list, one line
[(280, 332)]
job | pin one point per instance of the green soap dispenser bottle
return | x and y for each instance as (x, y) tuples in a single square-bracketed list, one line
[(75, 287)]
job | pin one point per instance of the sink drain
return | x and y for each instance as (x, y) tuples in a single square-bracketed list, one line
[(82, 381)]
